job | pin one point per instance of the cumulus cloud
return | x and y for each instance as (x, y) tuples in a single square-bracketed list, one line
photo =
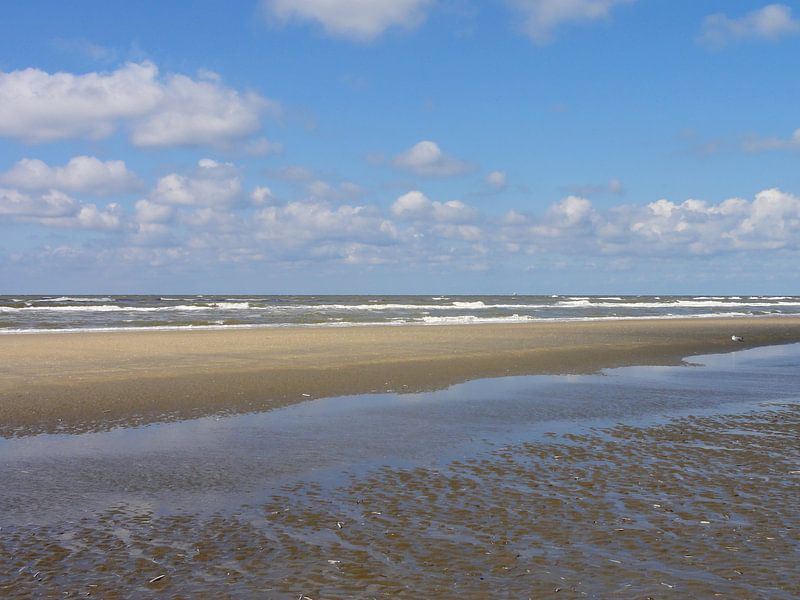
[(572, 216), (89, 216), (57, 209), (360, 20), (543, 17), (261, 195), (298, 222), (771, 22), (36, 106), (212, 184), (206, 215), (771, 221), (82, 174), (51, 204), (199, 113), (152, 212), (497, 180), (416, 206), (427, 159)]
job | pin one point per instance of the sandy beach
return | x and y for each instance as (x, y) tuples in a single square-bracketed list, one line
[(90, 381), (642, 483)]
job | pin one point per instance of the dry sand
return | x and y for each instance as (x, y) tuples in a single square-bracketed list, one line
[(89, 381)]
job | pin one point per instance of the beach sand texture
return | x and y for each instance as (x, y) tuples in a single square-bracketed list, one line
[(695, 508), (90, 381)]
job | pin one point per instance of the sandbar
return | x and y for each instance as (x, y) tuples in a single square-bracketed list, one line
[(87, 381)]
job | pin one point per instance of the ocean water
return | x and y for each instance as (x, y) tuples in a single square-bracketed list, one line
[(102, 312)]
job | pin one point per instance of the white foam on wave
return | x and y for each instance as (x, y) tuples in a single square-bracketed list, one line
[(476, 304), (465, 319), (426, 321), (115, 308), (354, 307), (673, 303), (74, 299), (231, 305)]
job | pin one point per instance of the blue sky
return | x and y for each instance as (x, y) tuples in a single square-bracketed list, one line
[(404, 146)]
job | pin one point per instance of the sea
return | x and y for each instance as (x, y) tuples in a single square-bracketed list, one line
[(28, 314)]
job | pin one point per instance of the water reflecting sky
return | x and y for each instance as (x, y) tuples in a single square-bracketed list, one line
[(218, 462)]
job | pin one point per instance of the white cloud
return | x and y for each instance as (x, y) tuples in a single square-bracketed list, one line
[(262, 195), (205, 217), (57, 209), (427, 159), (771, 22), (89, 217), (570, 211), (85, 174), (297, 223), (51, 204), (543, 17), (152, 212), (360, 20), (212, 184), (453, 211), (415, 206), (468, 233), (497, 180), (771, 221), (36, 106), (566, 217), (199, 113)]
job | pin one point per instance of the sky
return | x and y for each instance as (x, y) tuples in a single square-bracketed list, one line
[(400, 146)]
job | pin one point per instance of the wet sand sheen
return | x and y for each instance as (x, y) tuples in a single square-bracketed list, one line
[(92, 381), (699, 507), (536, 493)]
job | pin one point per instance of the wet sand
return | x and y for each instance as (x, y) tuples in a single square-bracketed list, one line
[(639, 483), (698, 507), (73, 382)]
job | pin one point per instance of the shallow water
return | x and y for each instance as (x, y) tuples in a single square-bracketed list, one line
[(524, 483)]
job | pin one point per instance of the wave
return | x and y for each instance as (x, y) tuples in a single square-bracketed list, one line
[(476, 304), (576, 303), (466, 319), (115, 308), (672, 304), (421, 322), (74, 299)]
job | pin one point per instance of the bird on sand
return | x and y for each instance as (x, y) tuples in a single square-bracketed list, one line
[(737, 338)]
